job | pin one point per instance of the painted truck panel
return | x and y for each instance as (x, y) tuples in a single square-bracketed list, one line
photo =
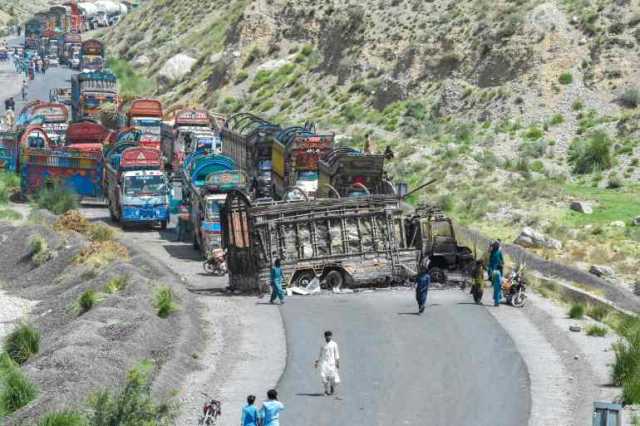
[(9, 151)]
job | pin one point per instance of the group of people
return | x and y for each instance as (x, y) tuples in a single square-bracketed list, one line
[(269, 414)]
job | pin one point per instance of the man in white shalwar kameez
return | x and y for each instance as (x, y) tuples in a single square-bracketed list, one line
[(329, 361)]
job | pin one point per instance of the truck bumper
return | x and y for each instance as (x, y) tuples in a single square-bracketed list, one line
[(145, 214)]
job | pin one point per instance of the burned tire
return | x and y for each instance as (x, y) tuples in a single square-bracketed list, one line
[(303, 279), (438, 275), (334, 280)]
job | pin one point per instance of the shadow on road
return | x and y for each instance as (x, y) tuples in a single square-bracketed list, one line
[(310, 394), (182, 251)]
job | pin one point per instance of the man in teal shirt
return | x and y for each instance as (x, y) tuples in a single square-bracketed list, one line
[(271, 409), (250, 413)]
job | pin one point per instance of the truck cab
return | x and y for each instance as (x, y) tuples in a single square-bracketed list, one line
[(144, 197)]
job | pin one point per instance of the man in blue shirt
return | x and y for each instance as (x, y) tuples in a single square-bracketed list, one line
[(422, 289), (250, 413), (271, 408)]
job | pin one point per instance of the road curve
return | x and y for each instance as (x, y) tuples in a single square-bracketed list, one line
[(452, 366)]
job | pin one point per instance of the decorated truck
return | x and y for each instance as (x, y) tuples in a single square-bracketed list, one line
[(248, 140), (92, 56), (42, 165), (347, 172), (207, 200), (145, 115), (87, 136), (89, 91), (9, 151), (136, 185), (54, 118), (69, 50), (295, 154)]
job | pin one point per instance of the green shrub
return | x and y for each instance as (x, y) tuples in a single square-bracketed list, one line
[(533, 133), (631, 97), (163, 301), (9, 214), (593, 154), (116, 284), (40, 253), (133, 404), (556, 119), (64, 418), (9, 184), (56, 199), (576, 311), (130, 83), (306, 50), (596, 330), (87, 300), (22, 343), (577, 105), (416, 110), (16, 390), (614, 182), (537, 166), (597, 312), (242, 76), (254, 54), (100, 232), (631, 388), (446, 202), (565, 78), (284, 105), (627, 359)]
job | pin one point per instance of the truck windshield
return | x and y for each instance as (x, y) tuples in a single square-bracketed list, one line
[(150, 127), (307, 176), (213, 210), (153, 185), (441, 229)]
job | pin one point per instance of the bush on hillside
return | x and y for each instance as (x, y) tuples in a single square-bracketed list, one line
[(64, 418), (56, 199), (9, 184), (596, 330), (590, 155), (163, 302), (16, 390), (132, 405), (565, 78), (631, 98), (576, 311), (22, 343), (116, 284), (87, 300)]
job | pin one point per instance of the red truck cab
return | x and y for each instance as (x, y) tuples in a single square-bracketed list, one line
[(86, 136), (145, 115)]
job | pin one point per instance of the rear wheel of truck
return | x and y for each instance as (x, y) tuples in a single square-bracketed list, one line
[(438, 275), (334, 280), (303, 279)]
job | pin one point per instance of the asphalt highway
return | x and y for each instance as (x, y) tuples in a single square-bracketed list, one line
[(452, 366)]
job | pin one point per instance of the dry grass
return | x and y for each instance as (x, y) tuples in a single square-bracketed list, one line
[(102, 253), (72, 220)]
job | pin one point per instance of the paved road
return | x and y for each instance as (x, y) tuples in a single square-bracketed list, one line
[(453, 366)]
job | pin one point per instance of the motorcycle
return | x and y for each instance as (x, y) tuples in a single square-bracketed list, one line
[(514, 288), (211, 410), (216, 263)]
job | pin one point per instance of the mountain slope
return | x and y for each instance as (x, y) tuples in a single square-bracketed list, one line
[(517, 107)]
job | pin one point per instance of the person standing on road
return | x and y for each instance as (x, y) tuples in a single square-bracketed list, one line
[(423, 281), (277, 277), (496, 281), (329, 362), (496, 260), (250, 413), (271, 409)]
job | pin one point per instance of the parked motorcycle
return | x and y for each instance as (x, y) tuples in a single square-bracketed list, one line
[(211, 410), (216, 263), (514, 288)]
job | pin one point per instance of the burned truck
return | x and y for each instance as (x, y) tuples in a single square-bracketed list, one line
[(353, 242)]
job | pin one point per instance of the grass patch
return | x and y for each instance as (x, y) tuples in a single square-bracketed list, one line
[(116, 284), (40, 253), (9, 185), (592, 154), (130, 83), (16, 391), (22, 343), (631, 98), (596, 331), (556, 119), (100, 232), (102, 253), (565, 78), (242, 76), (622, 204), (57, 200), (87, 300), (163, 302), (598, 313), (133, 404), (576, 311), (9, 214), (64, 418)]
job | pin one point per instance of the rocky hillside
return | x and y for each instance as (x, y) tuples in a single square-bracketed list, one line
[(518, 107), (12, 11)]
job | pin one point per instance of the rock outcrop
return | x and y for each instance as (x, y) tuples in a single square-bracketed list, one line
[(530, 238)]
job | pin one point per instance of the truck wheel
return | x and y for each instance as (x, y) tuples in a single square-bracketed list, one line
[(438, 275), (303, 279), (163, 225), (334, 280)]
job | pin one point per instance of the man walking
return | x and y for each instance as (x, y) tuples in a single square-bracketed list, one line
[(423, 281), (329, 361), (277, 277), (271, 409)]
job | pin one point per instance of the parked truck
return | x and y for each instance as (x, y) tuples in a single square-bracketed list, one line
[(69, 50), (89, 91), (347, 172), (54, 118), (356, 241), (92, 56), (145, 115), (87, 136), (295, 154), (248, 140), (9, 150), (137, 187), (206, 202)]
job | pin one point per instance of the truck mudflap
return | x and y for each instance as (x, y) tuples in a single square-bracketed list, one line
[(145, 214)]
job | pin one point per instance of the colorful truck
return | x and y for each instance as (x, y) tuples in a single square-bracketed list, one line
[(206, 201), (295, 154), (145, 115), (69, 50), (347, 172), (136, 186), (92, 56), (91, 90), (41, 165), (54, 118), (9, 151), (87, 136), (248, 140)]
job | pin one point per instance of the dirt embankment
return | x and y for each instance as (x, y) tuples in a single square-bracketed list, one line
[(82, 353)]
